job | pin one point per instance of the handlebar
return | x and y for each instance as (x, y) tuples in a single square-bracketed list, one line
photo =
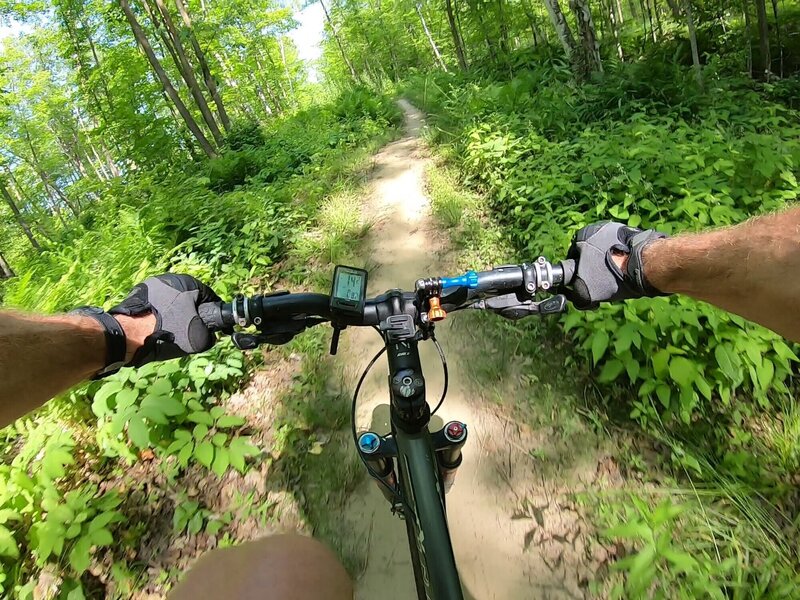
[(508, 289)]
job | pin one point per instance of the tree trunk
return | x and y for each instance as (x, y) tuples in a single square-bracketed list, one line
[(780, 36), (748, 31), (589, 45), (347, 62), (18, 216), (501, 18), (620, 15), (211, 85), (435, 49), (632, 6), (457, 41), (6, 272), (657, 15), (187, 73), (675, 9), (531, 23), (764, 62), (169, 90), (487, 39), (562, 28), (698, 70), (615, 21)]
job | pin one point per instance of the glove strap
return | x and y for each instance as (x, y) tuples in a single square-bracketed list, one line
[(116, 342), (636, 264)]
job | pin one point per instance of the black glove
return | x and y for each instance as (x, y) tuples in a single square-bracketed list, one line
[(597, 277), (173, 299)]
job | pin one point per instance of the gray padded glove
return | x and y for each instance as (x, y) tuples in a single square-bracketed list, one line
[(597, 276), (179, 331)]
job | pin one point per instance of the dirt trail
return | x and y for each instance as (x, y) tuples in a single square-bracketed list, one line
[(514, 538)]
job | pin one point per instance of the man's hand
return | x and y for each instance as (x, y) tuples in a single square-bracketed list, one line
[(608, 264), (177, 329)]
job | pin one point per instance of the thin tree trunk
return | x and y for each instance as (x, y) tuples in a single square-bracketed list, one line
[(531, 23), (748, 31), (620, 15), (657, 15), (6, 272), (187, 72), (632, 6), (765, 63), (435, 49), (169, 90), (23, 224), (698, 70), (562, 28), (589, 44), (779, 34), (201, 59), (675, 9), (457, 42), (347, 62), (503, 28), (487, 39), (289, 77), (615, 22)]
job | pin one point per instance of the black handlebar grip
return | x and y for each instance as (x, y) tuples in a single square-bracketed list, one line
[(212, 316), (568, 266)]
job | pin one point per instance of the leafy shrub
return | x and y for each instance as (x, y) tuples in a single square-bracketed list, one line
[(245, 135)]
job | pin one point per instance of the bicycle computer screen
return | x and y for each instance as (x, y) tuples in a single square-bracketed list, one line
[(349, 290)]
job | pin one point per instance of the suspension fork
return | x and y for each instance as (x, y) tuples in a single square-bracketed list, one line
[(410, 414)]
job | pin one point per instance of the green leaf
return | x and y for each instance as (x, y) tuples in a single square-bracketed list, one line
[(76, 593), (221, 462), (182, 434), (728, 362), (243, 445), (102, 537), (8, 545), (100, 401), (682, 371), (185, 454), (171, 406), (236, 457), (201, 417), (126, 398), (216, 412), (80, 556), (200, 431), (55, 459), (102, 520), (138, 432), (766, 371), (195, 406), (632, 367), (599, 345), (219, 438), (152, 413), (204, 453), (160, 387), (611, 371), (176, 445), (664, 394), (633, 530), (226, 421), (660, 361)]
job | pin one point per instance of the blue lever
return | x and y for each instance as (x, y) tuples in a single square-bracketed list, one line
[(468, 279)]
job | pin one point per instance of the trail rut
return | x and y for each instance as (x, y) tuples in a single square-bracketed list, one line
[(515, 535)]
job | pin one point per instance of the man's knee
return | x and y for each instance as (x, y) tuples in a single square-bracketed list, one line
[(279, 567)]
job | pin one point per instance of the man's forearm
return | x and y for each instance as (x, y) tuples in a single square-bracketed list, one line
[(43, 356), (752, 269), (40, 357)]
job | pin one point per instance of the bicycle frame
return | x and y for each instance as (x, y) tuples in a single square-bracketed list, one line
[(420, 480)]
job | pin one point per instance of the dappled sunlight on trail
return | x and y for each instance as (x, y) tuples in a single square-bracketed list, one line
[(493, 537)]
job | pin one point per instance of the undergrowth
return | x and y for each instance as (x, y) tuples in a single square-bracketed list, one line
[(709, 392), (237, 223)]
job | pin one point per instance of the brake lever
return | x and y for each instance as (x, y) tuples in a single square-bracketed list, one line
[(276, 334), (509, 306)]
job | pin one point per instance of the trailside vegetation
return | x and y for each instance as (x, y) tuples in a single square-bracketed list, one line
[(669, 115)]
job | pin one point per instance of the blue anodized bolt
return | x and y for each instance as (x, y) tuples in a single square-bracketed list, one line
[(369, 442)]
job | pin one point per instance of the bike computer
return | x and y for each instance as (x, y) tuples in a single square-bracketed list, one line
[(349, 291)]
